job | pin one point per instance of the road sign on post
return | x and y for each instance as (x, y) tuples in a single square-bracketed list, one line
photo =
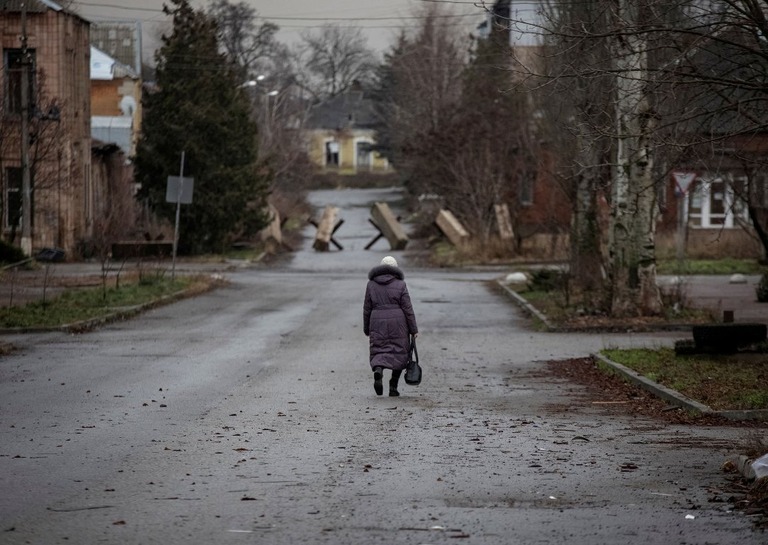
[(683, 181), (178, 190)]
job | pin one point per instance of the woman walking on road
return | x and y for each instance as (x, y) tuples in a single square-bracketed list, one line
[(388, 322)]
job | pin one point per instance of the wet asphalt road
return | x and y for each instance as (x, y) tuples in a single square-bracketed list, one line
[(247, 415)]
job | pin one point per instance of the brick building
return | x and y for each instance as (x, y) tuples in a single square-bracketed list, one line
[(59, 119)]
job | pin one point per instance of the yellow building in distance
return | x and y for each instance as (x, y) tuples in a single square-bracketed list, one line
[(341, 135)]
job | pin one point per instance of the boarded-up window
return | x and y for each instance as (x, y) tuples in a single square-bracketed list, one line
[(525, 189)]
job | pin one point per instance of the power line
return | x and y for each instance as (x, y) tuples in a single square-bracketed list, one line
[(293, 17)]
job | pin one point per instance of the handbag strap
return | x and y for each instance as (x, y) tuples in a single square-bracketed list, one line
[(414, 352)]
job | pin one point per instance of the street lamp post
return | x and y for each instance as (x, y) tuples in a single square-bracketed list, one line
[(267, 109), (269, 113)]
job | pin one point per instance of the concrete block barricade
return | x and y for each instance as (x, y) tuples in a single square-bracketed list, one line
[(272, 234), (504, 221), (325, 228), (452, 228), (386, 222)]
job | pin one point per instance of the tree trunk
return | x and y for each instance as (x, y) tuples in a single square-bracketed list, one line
[(757, 224), (586, 257), (586, 252), (633, 221)]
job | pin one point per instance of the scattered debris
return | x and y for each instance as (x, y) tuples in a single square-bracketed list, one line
[(760, 467)]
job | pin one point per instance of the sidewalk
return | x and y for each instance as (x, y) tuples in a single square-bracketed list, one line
[(23, 286), (719, 293)]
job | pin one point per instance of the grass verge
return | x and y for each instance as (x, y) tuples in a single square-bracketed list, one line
[(77, 305), (710, 266), (723, 382), (571, 314)]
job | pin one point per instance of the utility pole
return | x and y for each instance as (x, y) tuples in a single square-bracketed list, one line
[(26, 182)]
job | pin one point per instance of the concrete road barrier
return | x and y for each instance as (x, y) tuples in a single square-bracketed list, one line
[(387, 223), (452, 228), (325, 228), (272, 234), (504, 221)]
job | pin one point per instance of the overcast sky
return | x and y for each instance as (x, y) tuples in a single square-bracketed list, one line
[(379, 19)]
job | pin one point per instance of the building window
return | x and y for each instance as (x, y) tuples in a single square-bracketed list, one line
[(13, 69), (12, 197), (525, 189), (715, 202), (332, 153)]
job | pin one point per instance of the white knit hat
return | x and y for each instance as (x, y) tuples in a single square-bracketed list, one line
[(389, 260)]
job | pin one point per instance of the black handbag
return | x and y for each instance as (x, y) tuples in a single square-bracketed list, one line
[(413, 369)]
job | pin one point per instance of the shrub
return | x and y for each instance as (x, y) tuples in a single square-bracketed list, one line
[(547, 280), (10, 253)]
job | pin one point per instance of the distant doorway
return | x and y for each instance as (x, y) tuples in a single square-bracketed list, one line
[(364, 156)]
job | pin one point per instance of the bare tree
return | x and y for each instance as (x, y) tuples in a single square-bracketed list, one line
[(334, 58), (269, 72), (576, 119), (248, 42), (717, 76), (685, 82), (458, 127), (45, 158), (633, 197), (418, 89), (116, 216), (494, 141)]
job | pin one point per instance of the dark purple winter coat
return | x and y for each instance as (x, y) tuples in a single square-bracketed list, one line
[(388, 318)]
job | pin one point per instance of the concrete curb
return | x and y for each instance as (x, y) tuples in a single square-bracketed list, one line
[(656, 389), (526, 306), (634, 377), (536, 313), (674, 397)]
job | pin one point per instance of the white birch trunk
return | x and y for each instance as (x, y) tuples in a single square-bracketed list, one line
[(632, 232)]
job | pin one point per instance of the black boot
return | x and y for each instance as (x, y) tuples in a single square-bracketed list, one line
[(377, 374), (393, 383)]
